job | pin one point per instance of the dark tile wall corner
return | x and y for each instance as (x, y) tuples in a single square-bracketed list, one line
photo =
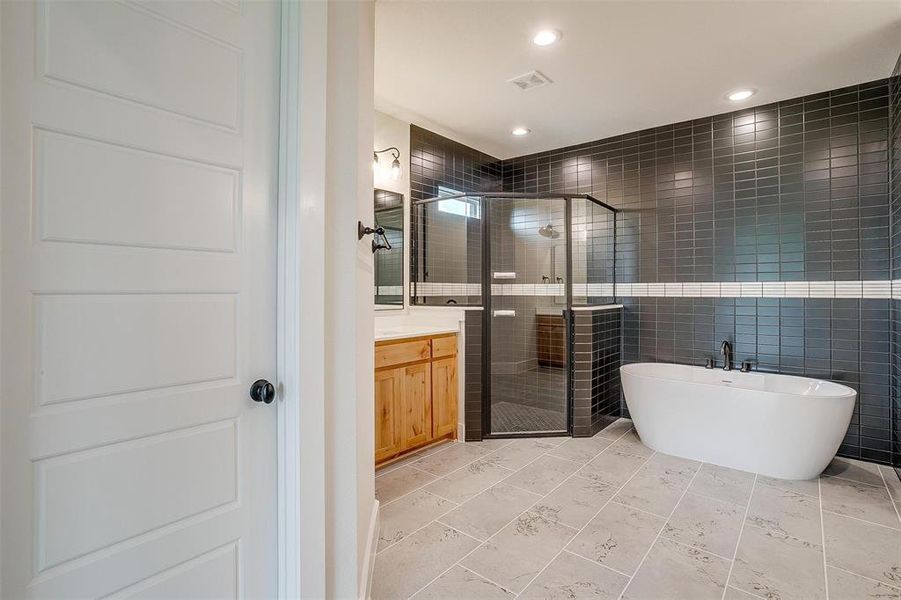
[(446, 248), (595, 370), (895, 203)]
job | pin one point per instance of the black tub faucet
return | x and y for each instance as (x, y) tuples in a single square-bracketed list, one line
[(726, 351)]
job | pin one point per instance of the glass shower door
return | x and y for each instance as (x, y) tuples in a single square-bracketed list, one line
[(528, 358)]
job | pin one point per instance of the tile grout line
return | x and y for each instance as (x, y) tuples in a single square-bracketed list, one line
[(865, 577), (483, 577), (680, 543), (738, 541), (507, 524), (890, 497), (591, 560), (587, 523), (403, 463), (823, 538), (662, 527), (451, 509), (438, 477), (838, 514)]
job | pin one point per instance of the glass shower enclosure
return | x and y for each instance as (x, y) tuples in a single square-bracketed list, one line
[(528, 260)]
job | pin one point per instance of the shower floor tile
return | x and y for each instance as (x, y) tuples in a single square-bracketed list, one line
[(507, 417), (554, 527)]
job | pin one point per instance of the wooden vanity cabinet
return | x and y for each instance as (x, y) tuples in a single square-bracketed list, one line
[(415, 394)]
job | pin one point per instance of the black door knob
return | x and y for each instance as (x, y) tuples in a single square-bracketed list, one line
[(262, 391)]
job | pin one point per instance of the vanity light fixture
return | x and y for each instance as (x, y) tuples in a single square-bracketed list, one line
[(546, 37), (521, 131), (395, 165), (739, 95)]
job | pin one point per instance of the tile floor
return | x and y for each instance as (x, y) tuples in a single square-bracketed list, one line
[(606, 517)]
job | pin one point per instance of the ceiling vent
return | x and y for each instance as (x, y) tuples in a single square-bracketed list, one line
[(530, 81)]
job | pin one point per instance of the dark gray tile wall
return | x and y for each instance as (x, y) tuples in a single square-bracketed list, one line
[(895, 158), (595, 370), (472, 400), (792, 191), (446, 248)]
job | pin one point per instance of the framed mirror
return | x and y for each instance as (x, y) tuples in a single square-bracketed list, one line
[(389, 264)]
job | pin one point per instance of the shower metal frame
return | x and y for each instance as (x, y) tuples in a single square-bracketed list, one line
[(485, 236)]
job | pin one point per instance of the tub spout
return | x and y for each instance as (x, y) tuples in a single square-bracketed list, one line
[(726, 351)]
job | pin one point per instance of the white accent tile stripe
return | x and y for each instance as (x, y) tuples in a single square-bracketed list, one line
[(884, 289)]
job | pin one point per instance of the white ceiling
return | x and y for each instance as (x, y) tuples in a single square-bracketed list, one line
[(620, 66)]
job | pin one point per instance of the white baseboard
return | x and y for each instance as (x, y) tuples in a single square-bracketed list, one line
[(369, 557)]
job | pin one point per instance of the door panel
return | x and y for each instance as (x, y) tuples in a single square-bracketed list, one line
[(138, 298), (444, 395), (388, 392), (527, 352), (416, 405)]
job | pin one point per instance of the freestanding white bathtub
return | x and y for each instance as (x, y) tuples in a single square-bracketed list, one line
[(777, 425)]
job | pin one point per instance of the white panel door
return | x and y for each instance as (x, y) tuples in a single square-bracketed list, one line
[(139, 189)]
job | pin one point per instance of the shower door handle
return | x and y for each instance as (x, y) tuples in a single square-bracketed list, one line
[(504, 313)]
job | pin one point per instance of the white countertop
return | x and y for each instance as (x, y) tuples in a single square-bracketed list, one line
[(409, 331)]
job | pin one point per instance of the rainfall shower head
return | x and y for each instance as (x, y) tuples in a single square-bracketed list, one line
[(548, 231)]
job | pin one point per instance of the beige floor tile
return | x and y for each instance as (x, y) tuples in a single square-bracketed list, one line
[(775, 566), (543, 475), (786, 513), (460, 583), (580, 449), (630, 443), (490, 445), (395, 484), (571, 577), (410, 564), (575, 502), (706, 523), (442, 463), (519, 453), (413, 457), (860, 500), (463, 484), (676, 571), (612, 467), (399, 519), (870, 550), (736, 594), (519, 551), (488, 512), (723, 483), (892, 481), (658, 485), (808, 487), (617, 537), (616, 429), (847, 586), (855, 470)]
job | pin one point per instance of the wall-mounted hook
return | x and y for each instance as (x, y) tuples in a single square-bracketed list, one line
[(378, 231)]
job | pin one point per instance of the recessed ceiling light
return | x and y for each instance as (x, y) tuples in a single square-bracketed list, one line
[(546, 37), (521, 131), (739, 95)]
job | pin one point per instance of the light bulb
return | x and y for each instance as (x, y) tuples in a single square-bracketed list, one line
[(739, 95), (546, 37)]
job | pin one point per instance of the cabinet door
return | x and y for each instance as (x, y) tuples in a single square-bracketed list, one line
[(388, 392), (416, 405), (444, 395)]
